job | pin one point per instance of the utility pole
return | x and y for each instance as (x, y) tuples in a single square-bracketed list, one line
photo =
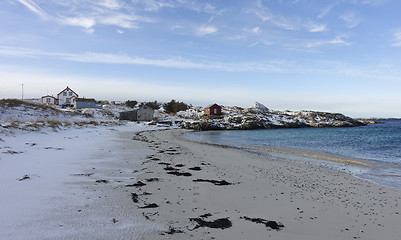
[(22, 91)]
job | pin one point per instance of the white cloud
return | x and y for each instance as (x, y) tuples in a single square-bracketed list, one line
[(318, 28), (325, 11), (206, 30), (119, 20), (338, 40), (397, 39), (84, 22), (111, 4), (351, 20), (256, 30), (31, 5), (154, 5), (261, 14)]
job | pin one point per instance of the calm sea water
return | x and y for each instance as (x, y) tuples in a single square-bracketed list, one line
[(377, 144)]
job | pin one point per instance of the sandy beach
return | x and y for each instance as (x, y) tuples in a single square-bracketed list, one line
[(125, 183), (264, 199)]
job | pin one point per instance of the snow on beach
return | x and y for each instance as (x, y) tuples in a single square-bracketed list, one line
[(51, 175)]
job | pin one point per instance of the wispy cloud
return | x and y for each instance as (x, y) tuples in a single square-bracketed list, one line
[(32, 6), (325, 11), (205, 30), (338, 40), (84, 22), (87, 15), (172, 62), (397, 39), (318, 28), (111, 4), (155, 5), (351, 19)]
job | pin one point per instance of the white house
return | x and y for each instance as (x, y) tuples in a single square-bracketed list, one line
[(66, 97), (49, 99)]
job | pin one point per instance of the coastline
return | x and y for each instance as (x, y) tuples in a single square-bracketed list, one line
[(312, 202)]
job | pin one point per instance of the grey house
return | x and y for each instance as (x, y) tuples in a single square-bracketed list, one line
[(86, 103), (143, 113)]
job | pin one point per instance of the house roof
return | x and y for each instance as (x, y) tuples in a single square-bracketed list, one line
[(49, 96), (211, 105), (67, 88), (85, 100)]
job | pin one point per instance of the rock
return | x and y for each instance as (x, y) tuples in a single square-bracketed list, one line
[(260, 107)]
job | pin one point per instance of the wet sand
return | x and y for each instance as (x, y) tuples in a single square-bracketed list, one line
[(200, 191)]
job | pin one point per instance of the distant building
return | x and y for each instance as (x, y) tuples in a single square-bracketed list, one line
[(213, 109), (67, 97), (49, 100), (143, 113), (86, 103)]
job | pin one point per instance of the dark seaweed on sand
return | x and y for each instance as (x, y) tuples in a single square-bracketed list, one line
[(176, 173), (138, 184), (135, 197), (152, 205), (195, 168), (221, 223), (215, 182), (270, 224)]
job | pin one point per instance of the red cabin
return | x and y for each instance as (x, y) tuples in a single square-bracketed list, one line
[(213, 109)]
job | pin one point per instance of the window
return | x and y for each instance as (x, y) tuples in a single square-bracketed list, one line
[(215, 111), (70, 93), (64, 93), (48, 100)]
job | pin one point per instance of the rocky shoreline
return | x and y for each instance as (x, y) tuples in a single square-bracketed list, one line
[(256, 118)]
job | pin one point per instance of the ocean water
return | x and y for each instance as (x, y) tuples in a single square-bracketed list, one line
[(377, 145)]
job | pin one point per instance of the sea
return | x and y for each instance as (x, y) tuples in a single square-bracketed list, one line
[(376, 146)]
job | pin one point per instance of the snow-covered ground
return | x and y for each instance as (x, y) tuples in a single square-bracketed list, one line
[(53, 163), (49, 190)]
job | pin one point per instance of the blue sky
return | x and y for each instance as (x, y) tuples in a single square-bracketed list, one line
[(327, 55)]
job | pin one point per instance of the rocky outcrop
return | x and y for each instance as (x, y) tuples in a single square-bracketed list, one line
[(262, 118)]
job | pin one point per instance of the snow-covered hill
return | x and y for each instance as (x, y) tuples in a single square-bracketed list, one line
[(19, 115), (260, 117)]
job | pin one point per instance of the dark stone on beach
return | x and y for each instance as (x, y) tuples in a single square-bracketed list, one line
[(195, 168), (12, 152), (148, 215), (152, 205), (270, 224), (176, 173), (152, 180), (172, 231), (138, 184), (164, 163), (215, 182), (221, 223), (82, 174), (25, 177), (171, 169), (102, 181), (135, 197), (206, 215), (179, 165)]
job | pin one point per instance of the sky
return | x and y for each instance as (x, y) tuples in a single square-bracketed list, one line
[(324, 55)]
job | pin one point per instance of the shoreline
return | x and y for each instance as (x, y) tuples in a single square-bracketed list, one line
[(249, 190)]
